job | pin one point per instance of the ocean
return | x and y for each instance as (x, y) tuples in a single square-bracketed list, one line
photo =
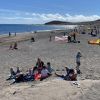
[(21, 28)]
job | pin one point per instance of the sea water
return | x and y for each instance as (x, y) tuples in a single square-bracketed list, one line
[(21, 28)]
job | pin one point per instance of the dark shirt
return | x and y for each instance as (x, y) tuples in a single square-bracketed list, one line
[(78, 57)]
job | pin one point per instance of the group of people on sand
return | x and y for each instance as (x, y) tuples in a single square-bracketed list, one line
[(39, 72), (72, 38)]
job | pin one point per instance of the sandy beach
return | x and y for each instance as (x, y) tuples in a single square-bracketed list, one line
[(60, 55)]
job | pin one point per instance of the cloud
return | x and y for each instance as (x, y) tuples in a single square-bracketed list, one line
[(18, 17), (67, 17)]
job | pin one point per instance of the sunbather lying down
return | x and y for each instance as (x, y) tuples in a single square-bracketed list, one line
[(71, 75)]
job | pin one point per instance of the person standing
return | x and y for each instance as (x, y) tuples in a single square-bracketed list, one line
[(9, 34), (49, 67), (69, 39), (78, 63), (74, 37), (50, 38), (15, 33)]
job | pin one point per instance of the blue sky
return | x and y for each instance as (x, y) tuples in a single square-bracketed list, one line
[(41, 11)]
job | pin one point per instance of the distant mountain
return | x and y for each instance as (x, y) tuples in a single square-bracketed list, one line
[(96, 22), (58, 23)]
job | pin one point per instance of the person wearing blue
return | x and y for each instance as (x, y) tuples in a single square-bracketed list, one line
[(49, 68)]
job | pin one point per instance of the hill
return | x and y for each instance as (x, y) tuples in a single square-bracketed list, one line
[(96, 22)]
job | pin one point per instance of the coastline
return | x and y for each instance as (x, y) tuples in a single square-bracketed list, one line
[(27, 35)]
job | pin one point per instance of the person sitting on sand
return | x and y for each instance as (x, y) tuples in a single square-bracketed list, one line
[(11, 47), (32, 39), (39, 64), (19, 78), (49, 68), (18, 70), (37, 75), (12, 74), (44, 73), (15, 46), (29, 75), (69, 39), (70, 76), (41, 67)]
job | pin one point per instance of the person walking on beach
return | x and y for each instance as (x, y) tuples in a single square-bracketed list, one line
[(78, 63)]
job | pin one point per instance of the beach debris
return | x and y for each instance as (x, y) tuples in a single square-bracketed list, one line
[(14, 92), (75, 83)]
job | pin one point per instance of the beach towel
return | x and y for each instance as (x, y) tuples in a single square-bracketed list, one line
[(61, 39)]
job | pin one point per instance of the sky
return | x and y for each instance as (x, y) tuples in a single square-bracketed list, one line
[(42, 11)]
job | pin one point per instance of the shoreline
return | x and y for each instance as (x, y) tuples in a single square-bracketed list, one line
[(31, 32), (6, 39), (62, 27)]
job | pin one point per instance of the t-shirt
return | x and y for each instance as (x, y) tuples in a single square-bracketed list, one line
[(44, 73), (49, 68)]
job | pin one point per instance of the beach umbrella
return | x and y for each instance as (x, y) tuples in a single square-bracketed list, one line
[(94, 41)]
